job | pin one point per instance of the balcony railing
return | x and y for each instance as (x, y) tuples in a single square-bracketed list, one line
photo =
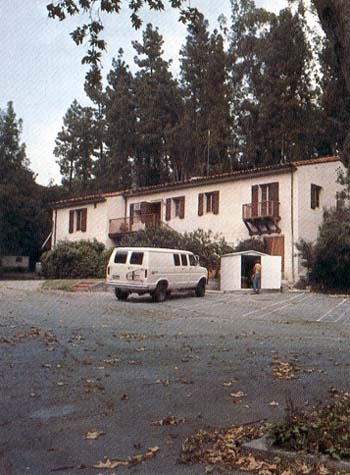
[(261, 209), (121, 226)]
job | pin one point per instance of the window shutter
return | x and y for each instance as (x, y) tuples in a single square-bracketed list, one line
[(131, 214), (255, 193), (255, 200), (313, 197), (168, 209), (274, 192), (216, 196), (182, 207), (274, 196), (71, 221), (144, 212), (84, 220), (200, 204)]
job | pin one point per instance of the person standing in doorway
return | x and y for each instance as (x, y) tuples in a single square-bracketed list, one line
[(257, 277)]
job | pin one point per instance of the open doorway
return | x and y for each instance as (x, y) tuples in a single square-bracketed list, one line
[(248, 263)]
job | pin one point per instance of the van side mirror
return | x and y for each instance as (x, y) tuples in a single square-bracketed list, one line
[(196, 257)]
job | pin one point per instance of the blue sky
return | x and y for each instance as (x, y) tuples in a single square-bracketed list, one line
[(41, 66)]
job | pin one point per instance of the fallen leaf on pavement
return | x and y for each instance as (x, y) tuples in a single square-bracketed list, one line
[(112, 360), (93, 435), (111, 464), (151, 452), (238, 394), (167, 421), (165, 382)]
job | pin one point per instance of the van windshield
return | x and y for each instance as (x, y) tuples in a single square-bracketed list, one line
[(120, 257), (136, 258)]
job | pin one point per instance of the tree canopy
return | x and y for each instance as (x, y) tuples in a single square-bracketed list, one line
[(24, 221)]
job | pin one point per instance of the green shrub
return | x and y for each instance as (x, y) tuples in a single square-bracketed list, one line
[(208, 246), (154, 237), (306, 252), (331, 253), (73, 260), (251, 244), (323, 430)]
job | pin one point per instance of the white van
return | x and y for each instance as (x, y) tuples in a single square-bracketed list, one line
[(156, 271)]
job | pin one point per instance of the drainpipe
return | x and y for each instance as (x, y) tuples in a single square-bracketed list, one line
[(125, 205), (292, 218), (55, 228)]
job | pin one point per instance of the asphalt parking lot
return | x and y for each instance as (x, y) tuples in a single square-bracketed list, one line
[(146, 375)]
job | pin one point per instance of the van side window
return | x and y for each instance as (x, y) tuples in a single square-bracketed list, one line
[(120, 257), (136, 258), (176, 260), (192, 260), (184, 259)]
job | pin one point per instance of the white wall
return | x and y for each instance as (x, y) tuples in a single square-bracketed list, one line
[(98, 216), (324, 175), (229, 221), (308, 220)]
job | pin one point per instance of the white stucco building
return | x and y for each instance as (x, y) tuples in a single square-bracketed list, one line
[(280, 203)]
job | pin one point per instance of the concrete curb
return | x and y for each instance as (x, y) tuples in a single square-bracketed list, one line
[(263, 448)]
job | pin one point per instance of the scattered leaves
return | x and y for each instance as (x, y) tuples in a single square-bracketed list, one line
[(167, 421), (285, 370), (112, 360), (134, 460)]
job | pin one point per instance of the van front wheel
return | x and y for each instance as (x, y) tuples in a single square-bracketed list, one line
[(121, 295), (200, 289), (159, 295)]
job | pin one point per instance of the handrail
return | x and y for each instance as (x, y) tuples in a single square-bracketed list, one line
[(261, 209), (133, 224)]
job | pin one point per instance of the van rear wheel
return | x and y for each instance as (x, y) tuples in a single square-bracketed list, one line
[(200, 289), (121, 295), (160, 293)]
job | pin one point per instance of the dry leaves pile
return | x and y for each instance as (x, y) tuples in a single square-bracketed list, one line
[(222, 449)]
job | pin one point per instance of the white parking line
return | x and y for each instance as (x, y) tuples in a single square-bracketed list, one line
[(272, 305), (331, 310), (281, 308), (344, 314)]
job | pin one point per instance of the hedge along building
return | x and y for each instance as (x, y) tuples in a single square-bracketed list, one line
[(280, 204)]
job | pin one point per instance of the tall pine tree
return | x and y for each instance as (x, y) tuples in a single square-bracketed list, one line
[(116, 169), (75, 147), (157, 104)]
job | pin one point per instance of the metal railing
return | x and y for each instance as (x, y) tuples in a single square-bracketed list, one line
[(129, 225), (261, 209)]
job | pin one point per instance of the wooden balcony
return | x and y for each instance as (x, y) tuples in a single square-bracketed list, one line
[(262, 217), (121, 226)]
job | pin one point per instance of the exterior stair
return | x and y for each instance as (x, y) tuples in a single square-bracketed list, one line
[(86, 286)]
